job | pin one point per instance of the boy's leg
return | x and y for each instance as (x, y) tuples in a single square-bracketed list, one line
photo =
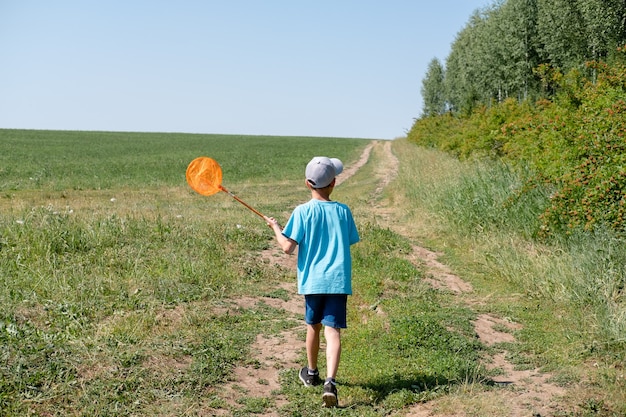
[(333, 350), (309, 375), (333, 354), (334, 320), (313, 344)]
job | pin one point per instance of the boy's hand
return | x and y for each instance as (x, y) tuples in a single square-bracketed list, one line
[(271, 222), (286, 244)]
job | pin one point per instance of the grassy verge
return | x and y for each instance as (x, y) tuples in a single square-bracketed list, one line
[(568, 293)]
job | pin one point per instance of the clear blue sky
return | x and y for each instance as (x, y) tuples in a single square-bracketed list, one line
[(345, 68)]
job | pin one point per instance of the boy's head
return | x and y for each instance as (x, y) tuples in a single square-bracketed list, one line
[(321, 171)]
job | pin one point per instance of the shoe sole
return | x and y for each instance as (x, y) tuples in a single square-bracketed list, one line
[(330, 400)]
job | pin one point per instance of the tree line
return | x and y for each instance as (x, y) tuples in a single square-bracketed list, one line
[(511, 48)]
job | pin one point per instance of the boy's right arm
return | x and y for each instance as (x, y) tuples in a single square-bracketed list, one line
[(286, 244)]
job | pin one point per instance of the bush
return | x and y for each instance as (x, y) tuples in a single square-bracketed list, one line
[(575, 145)]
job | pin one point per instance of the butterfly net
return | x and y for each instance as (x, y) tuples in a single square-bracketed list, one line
[(204, 175)]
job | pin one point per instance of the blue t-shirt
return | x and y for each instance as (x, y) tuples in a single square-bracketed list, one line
[(324, 231)]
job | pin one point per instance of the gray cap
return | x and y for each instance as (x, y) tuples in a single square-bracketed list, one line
[(321, 171)]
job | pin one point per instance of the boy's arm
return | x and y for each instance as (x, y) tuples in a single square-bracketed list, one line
[(286, 244)]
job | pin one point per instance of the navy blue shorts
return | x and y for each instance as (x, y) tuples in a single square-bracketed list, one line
[(328, 309)]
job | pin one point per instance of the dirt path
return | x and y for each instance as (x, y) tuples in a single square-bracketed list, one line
[(517, 393), (274, 353)]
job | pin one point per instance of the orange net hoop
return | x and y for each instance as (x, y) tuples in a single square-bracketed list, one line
[(204, 175)]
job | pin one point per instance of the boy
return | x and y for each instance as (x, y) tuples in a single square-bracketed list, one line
[(323, 230)]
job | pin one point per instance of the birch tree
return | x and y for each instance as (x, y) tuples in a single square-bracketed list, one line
[(433, 89)]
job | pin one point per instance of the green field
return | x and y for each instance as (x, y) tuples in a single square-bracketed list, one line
[(121, 289)]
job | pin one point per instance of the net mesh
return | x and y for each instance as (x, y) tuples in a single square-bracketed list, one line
[(204, 175)]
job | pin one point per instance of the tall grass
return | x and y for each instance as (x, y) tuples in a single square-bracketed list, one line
[(487, 198), (584, 273), (599, 258)]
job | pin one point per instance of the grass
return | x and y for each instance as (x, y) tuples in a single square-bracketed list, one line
[(63, 161), (568, 292), (111, 266), (118, 284)]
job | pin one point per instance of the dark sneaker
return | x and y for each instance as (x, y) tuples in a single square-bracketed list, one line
[(330, 395), (309, 380)]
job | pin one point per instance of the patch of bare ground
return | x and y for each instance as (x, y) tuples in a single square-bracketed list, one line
[(259, 376), (294, 305), (352, 169), (438, 275)]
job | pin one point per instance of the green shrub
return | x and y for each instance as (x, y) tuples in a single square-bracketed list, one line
[(575, 145)]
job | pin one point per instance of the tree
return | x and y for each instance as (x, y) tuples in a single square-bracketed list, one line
[(433, 89), (498, 54), (604, 26), (463, 71), (517, 43), (562, 33)]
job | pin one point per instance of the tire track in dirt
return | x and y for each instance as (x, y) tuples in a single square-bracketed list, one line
[(259, 377), (349, 171), (387, 170), (521, 392)]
